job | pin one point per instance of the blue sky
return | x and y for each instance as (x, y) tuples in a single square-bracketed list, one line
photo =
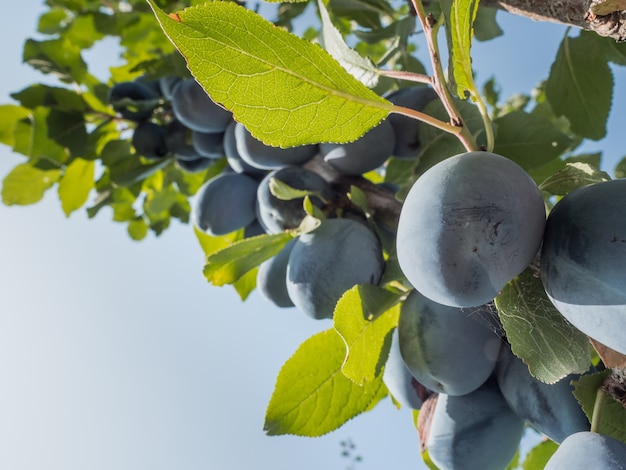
[(118, 355)]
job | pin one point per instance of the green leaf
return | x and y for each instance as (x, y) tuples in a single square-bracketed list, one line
[(460, 15), (26, 184), (229, 264), (550, 346), (33, 137), (312, 397), (485, 24), (246, 284), (620, 169), (538, 456), (284, 192), (137, 229), (45, 95), (580, 85), (573, 176), (364, 317), (613, 415), (360, 67), (76, 184), (241, 60), (10, 115), (528, 139), (59, 57), (211, 244)]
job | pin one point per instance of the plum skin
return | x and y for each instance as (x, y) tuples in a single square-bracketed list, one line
[(225, 203), (195, 109), (149, 140), (582, 261), (474, 431), (468, 226), (588, 450), (551, 409), (444, 348), (271, 279), (325, 263)]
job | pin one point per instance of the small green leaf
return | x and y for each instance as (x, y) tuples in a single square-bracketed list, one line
[(460, 15), (10, 115), (26, 184), (76, 184), (312, 397), (580, 85), (211, 244), (573, 176), (620, 169), (528, 139), (358, 198), (137, 229), (246, 284), (360, 67), (550, 346), (241, 59), (538, 456), (33, 137), (229, 264), (613, 414), (364, 318), (285, 192), (485, 25)]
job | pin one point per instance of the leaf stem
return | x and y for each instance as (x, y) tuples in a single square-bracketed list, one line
[(486, 120), (431, 28), (409, 76), (598, 407)]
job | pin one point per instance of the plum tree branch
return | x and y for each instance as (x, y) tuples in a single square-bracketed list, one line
[(585, 14)]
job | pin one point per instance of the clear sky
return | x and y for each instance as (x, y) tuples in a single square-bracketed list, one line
[(118, 355)]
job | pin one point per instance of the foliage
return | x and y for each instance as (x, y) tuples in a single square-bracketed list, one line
[(289, 91)]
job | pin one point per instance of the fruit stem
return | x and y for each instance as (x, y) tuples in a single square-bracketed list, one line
[(431, 28), (598, 407)]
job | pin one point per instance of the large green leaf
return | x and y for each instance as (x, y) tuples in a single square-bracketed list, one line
[(550, 346), (287, 91), (312, 396), (76, 184), (364, 318), (580, 85)]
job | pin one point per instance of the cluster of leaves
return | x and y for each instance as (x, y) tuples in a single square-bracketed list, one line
[(73, 139)]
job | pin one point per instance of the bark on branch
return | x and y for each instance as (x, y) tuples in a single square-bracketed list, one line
[(593, 15)]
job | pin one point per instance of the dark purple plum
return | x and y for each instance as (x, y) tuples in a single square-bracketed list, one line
[(194, 166), (136, 91), (406, 129), (271, 279), (583, 261), (225, 203), (196, 110), (277, 215), (474, 431), (209, 145), (444, 347), (364, 154), (178, 140), (236, 163), (551, 409), (265, 157), (589, 451), (469, 225), (149, 140), (323, 264)]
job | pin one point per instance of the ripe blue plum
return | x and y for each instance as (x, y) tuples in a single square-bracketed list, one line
[(404, 388), (364, 154), (167, 85), (196, 110), (149, 140), (235, 161), (136, 91), (277, 215), (265, 157), (468, 226), (551, 409), (589, 450), (444, 347), (323, 264), (208, 144), (474, 431), (583, 258), (407, 143), (271, 279), (178, 140), (194, 166), (225, 203)]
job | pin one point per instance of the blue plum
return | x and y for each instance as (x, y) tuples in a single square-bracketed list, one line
[(444, 347), (551, 409), (271, 279), (195, 109), (178, 140), (364, 154), (136, 91), (468, 226), (208, 144), (193, 166), (473, 431), (406, 129), (401, 384), (265, 157), (277, 215), (589, 450), (149, 140), (225, 203), (583, 258), (235, 161), (323, 264)]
